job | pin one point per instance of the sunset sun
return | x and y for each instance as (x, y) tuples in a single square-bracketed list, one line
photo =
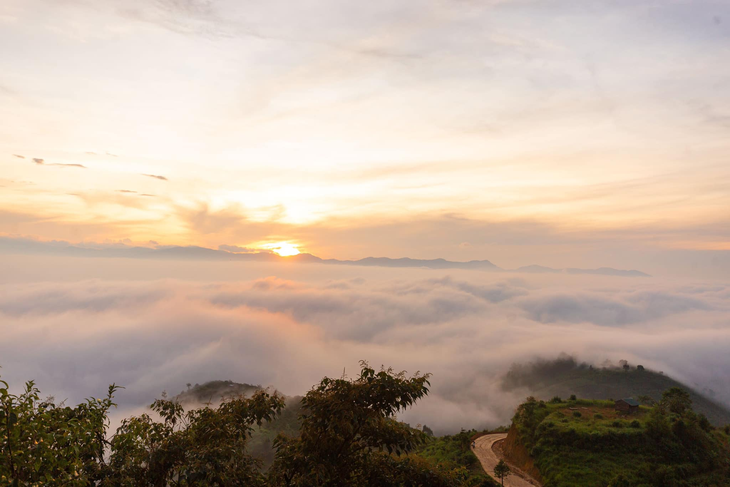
[(284, 249)]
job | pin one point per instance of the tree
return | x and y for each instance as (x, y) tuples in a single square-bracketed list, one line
[(646, 400), (501, 470), (349, 435), (526, 418), (677, 401)]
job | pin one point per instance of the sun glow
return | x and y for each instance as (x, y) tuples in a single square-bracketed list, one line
[(284, 249)]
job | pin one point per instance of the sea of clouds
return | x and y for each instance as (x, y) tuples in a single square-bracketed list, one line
[(77, 325)]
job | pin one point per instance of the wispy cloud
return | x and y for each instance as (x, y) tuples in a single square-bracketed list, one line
[(42, 162), (18, 156), (161, 178)]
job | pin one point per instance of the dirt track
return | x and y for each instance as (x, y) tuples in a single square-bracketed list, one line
[(484, 450)]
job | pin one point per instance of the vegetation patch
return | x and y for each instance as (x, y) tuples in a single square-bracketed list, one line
[(665, 445)]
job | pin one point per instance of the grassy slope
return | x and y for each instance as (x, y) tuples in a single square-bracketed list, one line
[(565, 376), (595, 446)]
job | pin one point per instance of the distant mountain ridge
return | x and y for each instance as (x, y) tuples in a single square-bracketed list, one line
[(604, 271), (28, 246)]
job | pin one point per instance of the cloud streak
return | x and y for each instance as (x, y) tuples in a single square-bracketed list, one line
[(41, 162)]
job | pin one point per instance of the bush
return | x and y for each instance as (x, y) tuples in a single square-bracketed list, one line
[(635, 424), (573, 398), (576, 414), (556, 400), (598, 416), (617, 424), (704, 423)]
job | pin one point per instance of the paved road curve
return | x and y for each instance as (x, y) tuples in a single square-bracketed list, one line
[(485, 453)]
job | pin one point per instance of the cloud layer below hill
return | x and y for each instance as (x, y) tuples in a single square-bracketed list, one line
[(77, 335)]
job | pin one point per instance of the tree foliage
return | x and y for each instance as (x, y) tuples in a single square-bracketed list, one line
[(47, 444), (676, 401), (349, 435), (205, 446)]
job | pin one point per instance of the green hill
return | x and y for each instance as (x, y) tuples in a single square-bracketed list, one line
[(214, 391), (565, 376), (589, 443)]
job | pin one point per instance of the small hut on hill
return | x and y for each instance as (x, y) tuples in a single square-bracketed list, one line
[(627, 405)]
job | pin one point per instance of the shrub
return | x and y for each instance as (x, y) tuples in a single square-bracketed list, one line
[(597, 416), (704, 423), (576, 414), (617, 424), (556, 400), (573, 398), (635, 424)]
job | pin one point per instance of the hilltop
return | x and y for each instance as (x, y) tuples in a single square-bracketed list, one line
[(581, 442), (215, 391), (565, 376)]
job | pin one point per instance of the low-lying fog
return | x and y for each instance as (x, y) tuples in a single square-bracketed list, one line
[(77, 325)]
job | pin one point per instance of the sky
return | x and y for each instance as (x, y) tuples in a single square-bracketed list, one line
[(560, 132)]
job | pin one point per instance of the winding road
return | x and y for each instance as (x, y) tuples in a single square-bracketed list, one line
[(485, 452)]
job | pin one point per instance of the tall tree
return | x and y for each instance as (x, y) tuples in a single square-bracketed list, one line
[(501, 470)]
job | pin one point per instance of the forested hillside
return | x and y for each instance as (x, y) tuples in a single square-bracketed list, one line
[(565, 376), (577, 443)]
